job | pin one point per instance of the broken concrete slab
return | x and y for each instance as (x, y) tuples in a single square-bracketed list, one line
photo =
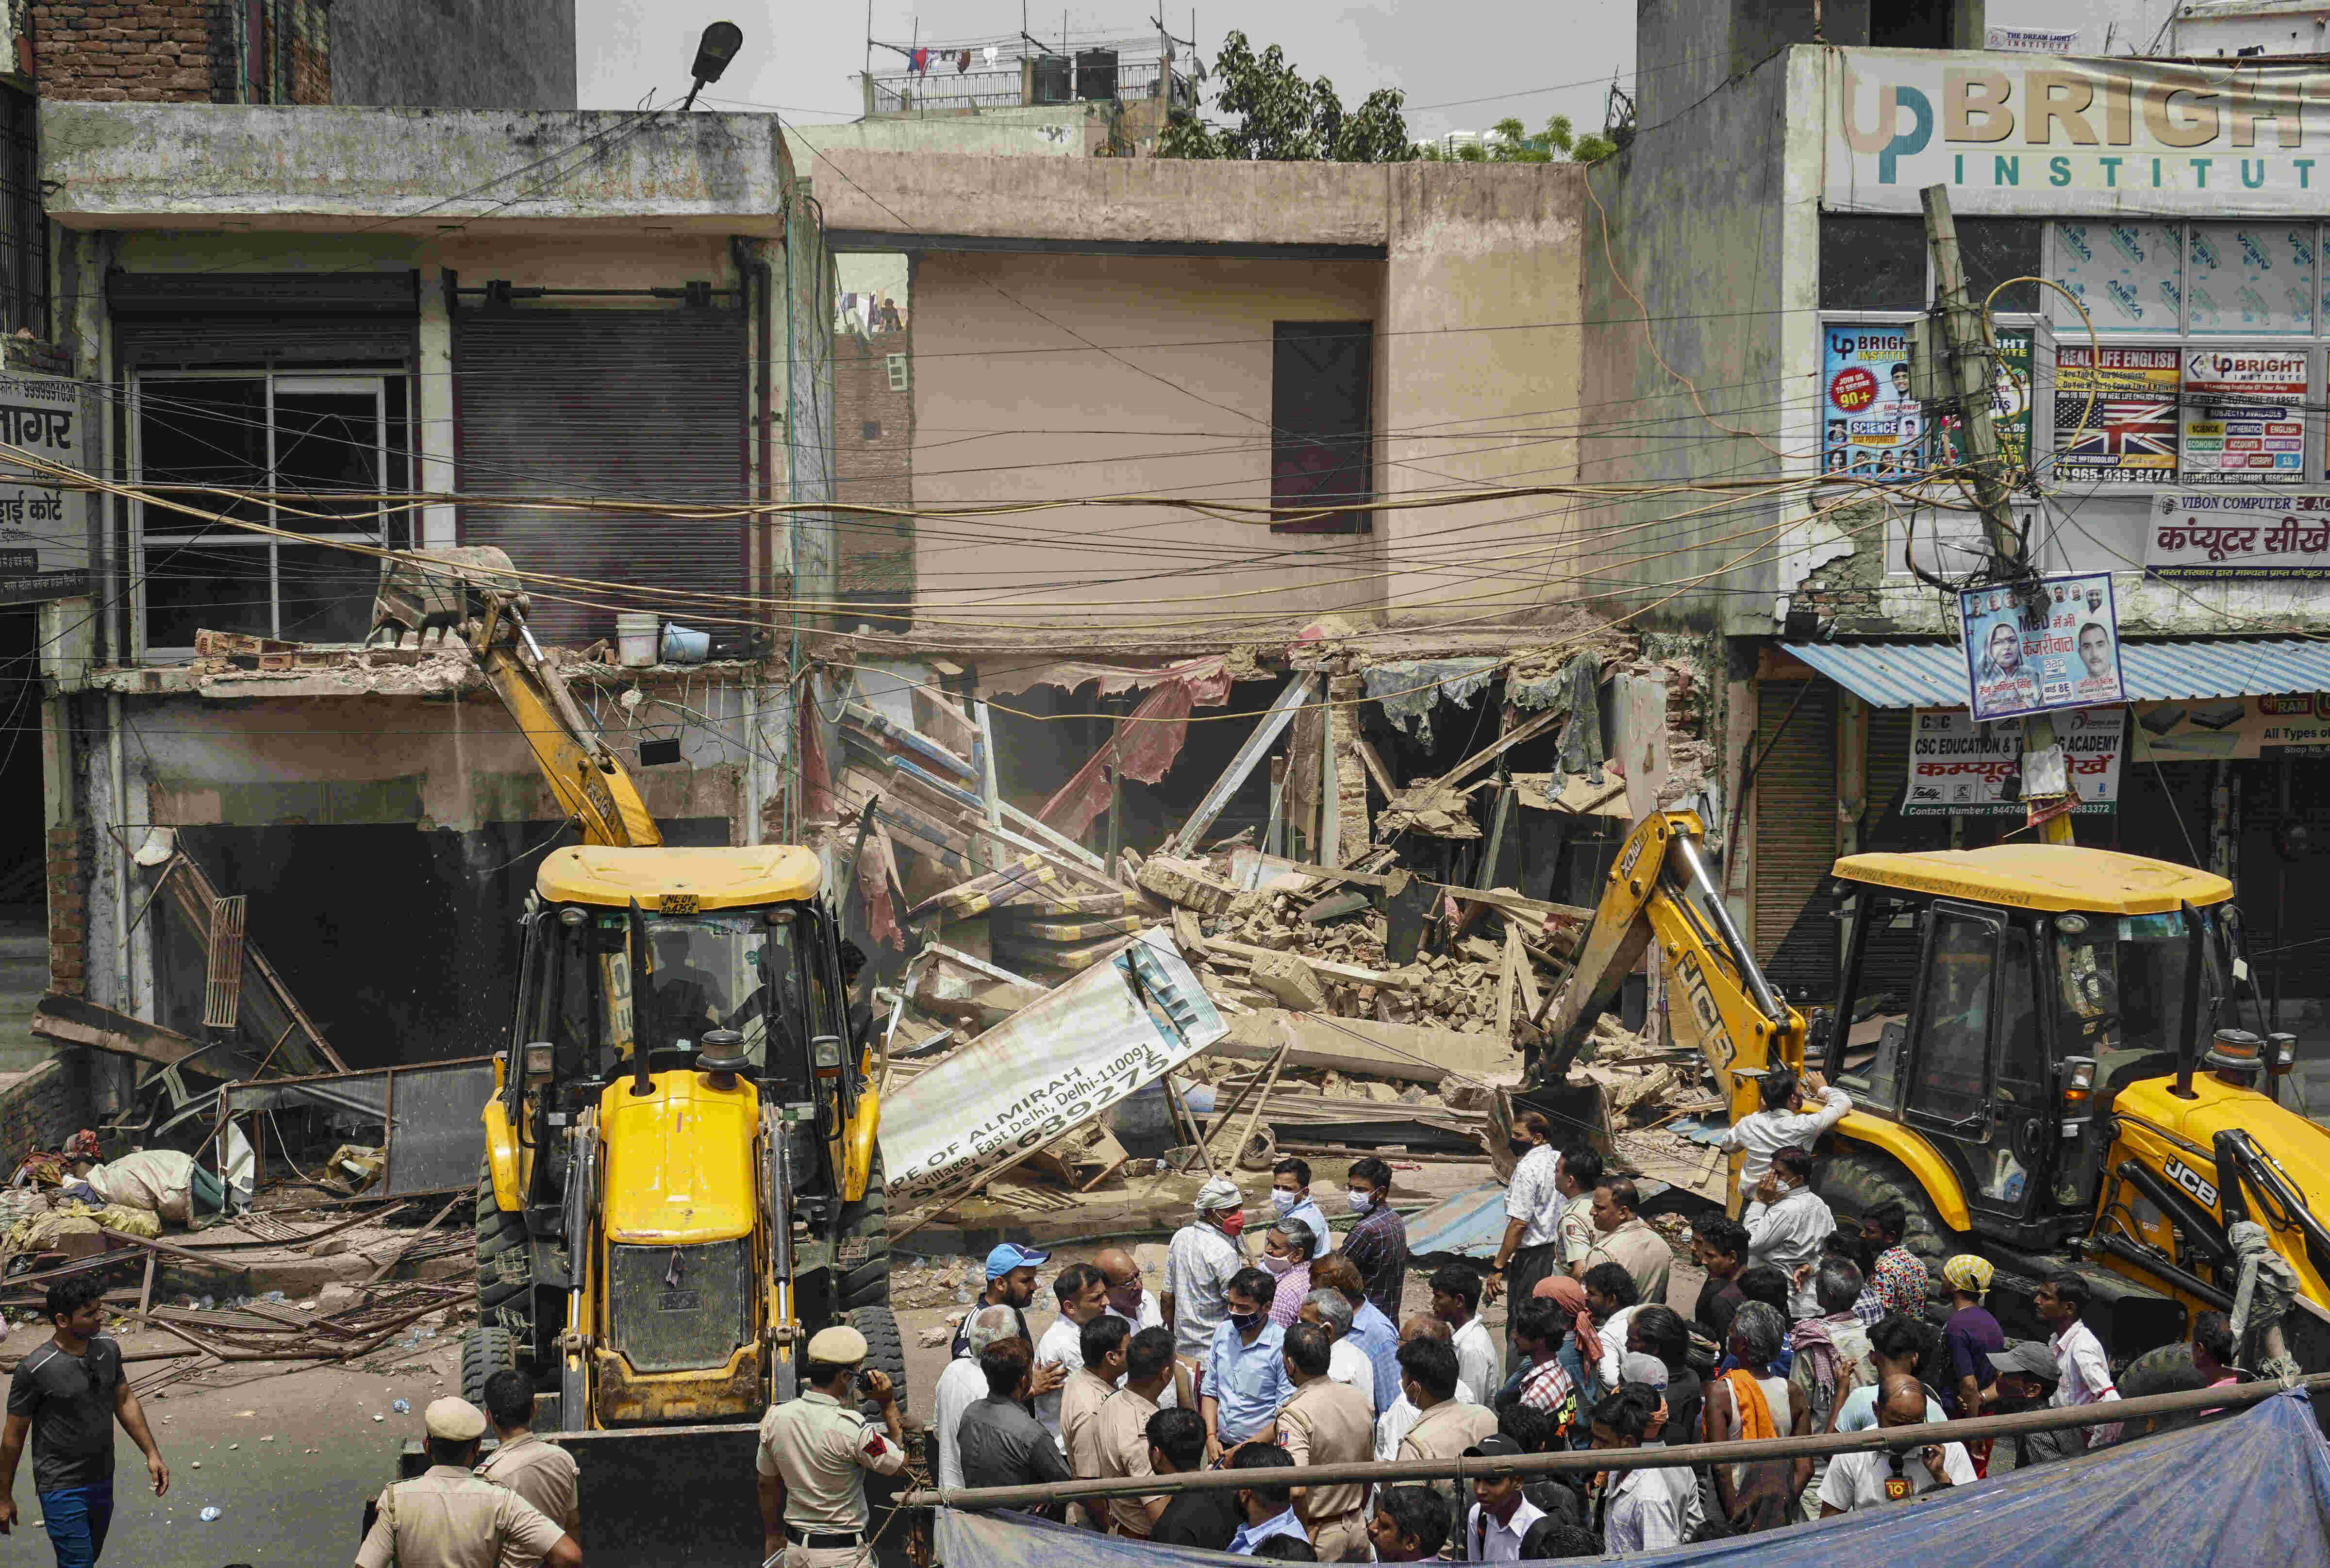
[(1188, 883), (1360, 1047), (1292, 981)]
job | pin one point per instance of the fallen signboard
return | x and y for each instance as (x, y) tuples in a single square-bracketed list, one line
[(1051, 1067)]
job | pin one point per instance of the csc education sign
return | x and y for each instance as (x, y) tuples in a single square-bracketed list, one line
[(2010, 133)]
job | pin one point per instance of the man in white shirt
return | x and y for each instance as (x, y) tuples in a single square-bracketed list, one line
[(1645, 1510), (2086, 1373), (1784, 1121), (1530, 1249), (1456, 1302), (1501, 1516), (1610, 1299), (1331, 1311), (1127, 1297), (1198, 1267), (1401, 1413), (962, 1384), (1082, 1295), (1866, 1479), (1786, 1224)]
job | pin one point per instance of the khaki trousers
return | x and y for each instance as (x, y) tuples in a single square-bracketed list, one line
[(800, 1556), (1341, 1539)]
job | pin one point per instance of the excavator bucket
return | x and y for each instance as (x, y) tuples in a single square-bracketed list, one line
[(1576, 1107), (441, 591)]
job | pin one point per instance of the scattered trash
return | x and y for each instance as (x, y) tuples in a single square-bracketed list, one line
[(402, 1407), (378, 1416), (208, 1514)]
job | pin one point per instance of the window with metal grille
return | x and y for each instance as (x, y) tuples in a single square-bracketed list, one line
[(1322, 440), (326, 444), (23, 229)]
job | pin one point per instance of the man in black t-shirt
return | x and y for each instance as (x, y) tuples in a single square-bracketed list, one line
[(66, 1396), (1207, 1520)]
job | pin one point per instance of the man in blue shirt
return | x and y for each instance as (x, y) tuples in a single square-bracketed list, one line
[(1246, 1374), (1289, 1199), (1372, 1333), (1269, 1510)]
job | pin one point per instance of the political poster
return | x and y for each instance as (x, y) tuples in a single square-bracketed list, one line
[(1051, 1067), (2010, 402), (2116, 418), (44, 533), (1871, 428), (1961, 769), (2254, 279), (2034, 647), (2244, 416), (2213, 728), (2223, 535)]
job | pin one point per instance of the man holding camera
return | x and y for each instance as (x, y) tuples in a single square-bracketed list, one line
[(1861, 1480), (814, 1451)]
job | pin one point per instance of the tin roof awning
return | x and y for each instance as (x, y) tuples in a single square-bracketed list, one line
[(1932, 674)]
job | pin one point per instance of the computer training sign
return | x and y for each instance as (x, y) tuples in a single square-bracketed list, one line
[(2235, 534), (1961, 769), (44, 532), (2010, 133), (2035, 647)]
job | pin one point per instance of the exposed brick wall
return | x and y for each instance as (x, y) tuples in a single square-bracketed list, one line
[(179, 50), (68, 913), (42, 1109), (876, 555), (23, 351)]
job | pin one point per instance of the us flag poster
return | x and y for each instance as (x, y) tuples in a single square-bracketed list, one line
[(2129, 437)]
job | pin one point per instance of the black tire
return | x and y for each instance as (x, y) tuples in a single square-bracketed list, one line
[(1859, 1179), (505, 1267), (886, 1351), (865, 1281), (484, 1351)]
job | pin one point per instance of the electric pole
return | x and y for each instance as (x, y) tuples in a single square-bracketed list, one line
[(1972, 377)]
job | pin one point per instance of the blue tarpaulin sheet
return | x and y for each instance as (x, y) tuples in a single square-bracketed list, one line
[(2251, 1491)]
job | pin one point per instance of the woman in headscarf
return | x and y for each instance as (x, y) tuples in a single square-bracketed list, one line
[(1581, 1352), (1971, 1334)]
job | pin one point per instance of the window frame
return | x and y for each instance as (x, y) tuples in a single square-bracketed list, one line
[(393, 532), (1363, 471)]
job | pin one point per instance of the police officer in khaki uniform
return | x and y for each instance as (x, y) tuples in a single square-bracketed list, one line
[(544, 1474), (450, 1518), (814, 1452)]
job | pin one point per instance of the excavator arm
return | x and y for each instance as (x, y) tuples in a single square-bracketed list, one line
[(475, 591), (1718, 1001)]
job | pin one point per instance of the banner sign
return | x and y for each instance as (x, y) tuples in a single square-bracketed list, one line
[(1871, 427), (44, 529), (2011, 133), (2244, 416), (2231, 533), (2054, 644), (2031, 40), (2009, 400), (1960, 768), (2205, 728), (1050, 1068), (2126, 433)]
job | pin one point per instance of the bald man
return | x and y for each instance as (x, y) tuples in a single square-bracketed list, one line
[(1866, 1480), (1134, 1302)]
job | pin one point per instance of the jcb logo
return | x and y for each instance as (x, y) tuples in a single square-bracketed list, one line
[(2186, 1177), (1715, 1039)]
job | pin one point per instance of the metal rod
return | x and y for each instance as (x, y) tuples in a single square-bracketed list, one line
[(1917, 1435)]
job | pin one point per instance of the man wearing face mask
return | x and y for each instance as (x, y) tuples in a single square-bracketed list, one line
[(1205, 1257), (1289, 1199), (1531, 1248), (1378, 1242), (1287, 1249)]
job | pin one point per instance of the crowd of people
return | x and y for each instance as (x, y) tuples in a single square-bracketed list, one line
[(1298, 1354)]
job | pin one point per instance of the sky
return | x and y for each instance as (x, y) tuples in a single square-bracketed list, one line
[(1462, 67)]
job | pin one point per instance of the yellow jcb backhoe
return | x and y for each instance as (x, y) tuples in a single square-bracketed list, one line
[(2065, 1086)]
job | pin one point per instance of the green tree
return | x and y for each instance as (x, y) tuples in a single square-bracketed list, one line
[(1283, 119), (1510, 142)]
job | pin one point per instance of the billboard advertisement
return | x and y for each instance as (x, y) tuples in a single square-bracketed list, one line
[(2231, 533), (2031, 647), (1870, 427), (1961, 769), (2244, 416), (44, 534), (2116, 420), (2195, 729)]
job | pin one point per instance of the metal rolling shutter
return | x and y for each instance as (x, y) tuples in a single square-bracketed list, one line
[(1890, 962), (172, 320), (626, 405), (1795, 835)]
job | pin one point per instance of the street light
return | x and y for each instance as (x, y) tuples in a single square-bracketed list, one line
[(713, 53)]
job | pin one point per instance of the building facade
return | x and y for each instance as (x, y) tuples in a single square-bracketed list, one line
[(2144, 231)]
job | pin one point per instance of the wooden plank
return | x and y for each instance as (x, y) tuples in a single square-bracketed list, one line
[(1299, 691), (1326, 969), (1405, 1053), (1050, 835), (1376, 769), (1524, 969), (909, 739), (1506, 982), (1070, 928), (397, 1257), (989, 790)]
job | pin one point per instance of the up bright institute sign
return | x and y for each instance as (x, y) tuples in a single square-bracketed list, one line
[(2017, 134)]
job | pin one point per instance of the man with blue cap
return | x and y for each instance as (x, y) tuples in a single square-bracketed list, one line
[(1011, 1282)]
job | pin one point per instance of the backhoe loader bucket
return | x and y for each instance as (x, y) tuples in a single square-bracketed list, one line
[(1574, 1107), (438, 591)]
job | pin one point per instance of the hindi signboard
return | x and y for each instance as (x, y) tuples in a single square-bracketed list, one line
[(2040, 646), (2018, 132), (2231, 533), (1872, 428), (2207, 729), (1961, 769), (2244, 416), (44, 532)]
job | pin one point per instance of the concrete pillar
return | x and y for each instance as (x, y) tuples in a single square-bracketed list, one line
[(432, 402)]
